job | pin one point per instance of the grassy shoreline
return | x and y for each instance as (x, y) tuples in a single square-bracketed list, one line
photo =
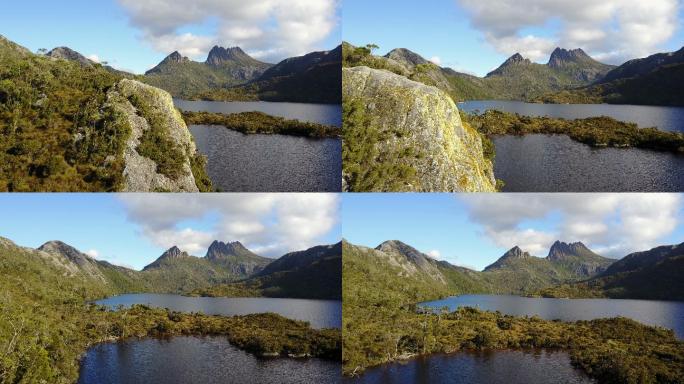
[(381, 325), (258, 122), (598, 132)]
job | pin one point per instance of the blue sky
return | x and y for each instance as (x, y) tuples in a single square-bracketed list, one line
[(133, 230), (475, 230), (135, 35), (477, 36)]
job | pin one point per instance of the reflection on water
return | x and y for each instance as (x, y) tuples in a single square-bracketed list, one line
[(668, 314), (269, 163), (483, 367), (320, 313), (556, 163), (182, 360), (328, 114), (664, 118)]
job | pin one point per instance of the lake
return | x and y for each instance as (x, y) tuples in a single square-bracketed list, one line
[(181, 360), (238, 162), (481, 367), (328, 114), (668, 314), (319, 313), (556, 163), (664, 118)]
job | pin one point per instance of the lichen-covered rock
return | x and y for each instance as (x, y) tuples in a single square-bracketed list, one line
[(401, 135), (141, 173)]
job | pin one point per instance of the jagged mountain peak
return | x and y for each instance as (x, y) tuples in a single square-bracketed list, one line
[(176, 57), (562, 55), (173, 253), (560, 250), (219, 55), (401, 248)]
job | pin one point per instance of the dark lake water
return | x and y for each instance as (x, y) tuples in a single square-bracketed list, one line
[(556, 163), (668, 314), (329, 114), (320, 313), (183, 360), (664, 118), (269, 163), (484, 367)]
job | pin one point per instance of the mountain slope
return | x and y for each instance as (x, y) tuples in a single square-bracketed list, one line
[(315, 273), (655, 80), (69, 127), (312, 78), (657, 274)]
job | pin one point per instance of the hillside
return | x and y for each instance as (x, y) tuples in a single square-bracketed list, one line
[(656, 274), (654, 80), (313, 78), (74, 127), (381, 324), (315, 273), (46, 322)]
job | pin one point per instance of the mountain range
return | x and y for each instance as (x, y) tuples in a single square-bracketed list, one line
[(230, 73), (517, 272), (568, 74), (309, 274), (656, 274)]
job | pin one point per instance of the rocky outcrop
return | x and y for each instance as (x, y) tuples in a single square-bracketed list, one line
[(66, 53), (78, 260), (141, 174), (421, 126)]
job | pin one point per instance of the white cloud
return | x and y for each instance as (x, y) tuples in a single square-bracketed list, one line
[(436, 60), (435, 254), (611, 30), (93, 57), (614, 224), (93, 253), (268, 224), (269, 29)]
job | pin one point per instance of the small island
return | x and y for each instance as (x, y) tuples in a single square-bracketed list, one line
[(259, 122)]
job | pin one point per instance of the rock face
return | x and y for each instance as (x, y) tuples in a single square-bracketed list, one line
[(400, 253), (83, 263), (514, 253), (66, 53), (578, 65), (406, 56), (577, 258), (141, 173), (423, 124)]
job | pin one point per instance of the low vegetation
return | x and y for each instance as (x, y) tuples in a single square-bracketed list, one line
[(594, 131), (258, 122), (46, 323), (382, 324), (56, 134)]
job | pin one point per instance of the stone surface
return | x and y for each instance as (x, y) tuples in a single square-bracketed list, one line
[(141, 173), (424, 120)]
